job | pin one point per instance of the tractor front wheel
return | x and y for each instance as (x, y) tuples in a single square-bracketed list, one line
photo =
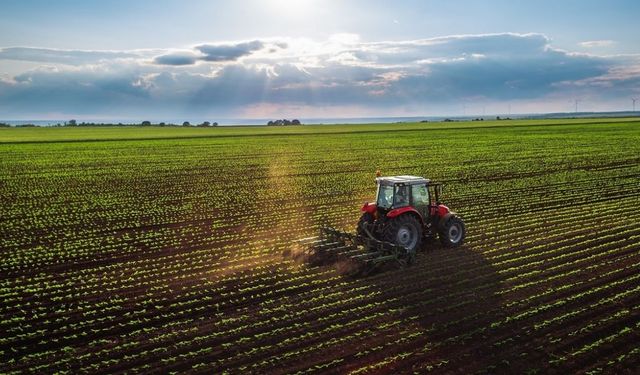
[(452, 232), (406, 231)]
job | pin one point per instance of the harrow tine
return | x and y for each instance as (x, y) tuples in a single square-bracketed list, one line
[(365, 256), (326, 246), (340, 250), (354, 251)]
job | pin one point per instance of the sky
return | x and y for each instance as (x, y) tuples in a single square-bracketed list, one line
[(207, 60)]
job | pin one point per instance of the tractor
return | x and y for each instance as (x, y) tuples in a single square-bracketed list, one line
[(406, 211)]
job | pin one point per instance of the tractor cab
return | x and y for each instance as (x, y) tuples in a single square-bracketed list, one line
[(407, 191), (402, 191)]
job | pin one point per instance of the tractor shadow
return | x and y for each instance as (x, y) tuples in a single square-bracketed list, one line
[(446, 292), (444, 286), (450, 296)]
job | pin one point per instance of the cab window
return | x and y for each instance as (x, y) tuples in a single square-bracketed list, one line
[(385, 196), (420, 195), (401, 196)]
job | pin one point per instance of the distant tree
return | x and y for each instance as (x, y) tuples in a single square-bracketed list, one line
[(72, 123), (205, 124), (146, 123), (214, 124), (498, 118), (283, 122), (162, 124), (3, 125), (186, 123)]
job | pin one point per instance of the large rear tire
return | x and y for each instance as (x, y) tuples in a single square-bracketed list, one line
[(404, 230), (452, 231)]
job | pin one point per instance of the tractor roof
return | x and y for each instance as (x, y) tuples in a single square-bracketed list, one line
[(409, 180)]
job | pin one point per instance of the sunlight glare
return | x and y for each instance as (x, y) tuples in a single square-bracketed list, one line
[(291, 8)]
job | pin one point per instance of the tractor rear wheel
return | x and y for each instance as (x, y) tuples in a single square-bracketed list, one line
[(404, 230), (452, 232)]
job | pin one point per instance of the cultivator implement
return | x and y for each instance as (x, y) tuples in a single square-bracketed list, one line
[(354, 254)]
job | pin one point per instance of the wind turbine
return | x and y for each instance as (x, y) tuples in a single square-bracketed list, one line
[(634, 103), (576, 102)]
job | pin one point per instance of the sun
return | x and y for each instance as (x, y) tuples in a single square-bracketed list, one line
[(291, 8)]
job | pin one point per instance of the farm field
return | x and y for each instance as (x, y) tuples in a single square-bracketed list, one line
[(160, 250)]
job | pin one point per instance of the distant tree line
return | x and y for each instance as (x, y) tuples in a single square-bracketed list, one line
[(143, 123), (284, 122)]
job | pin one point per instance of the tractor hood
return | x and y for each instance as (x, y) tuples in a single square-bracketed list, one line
[(369, 207)]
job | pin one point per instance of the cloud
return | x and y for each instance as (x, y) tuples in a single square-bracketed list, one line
[(597, 43), (228, 52), (73, 91), (70, 57), (224, 79), (176, 59), (218, 52)]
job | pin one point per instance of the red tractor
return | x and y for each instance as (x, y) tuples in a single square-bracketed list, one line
[(407, 209)]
